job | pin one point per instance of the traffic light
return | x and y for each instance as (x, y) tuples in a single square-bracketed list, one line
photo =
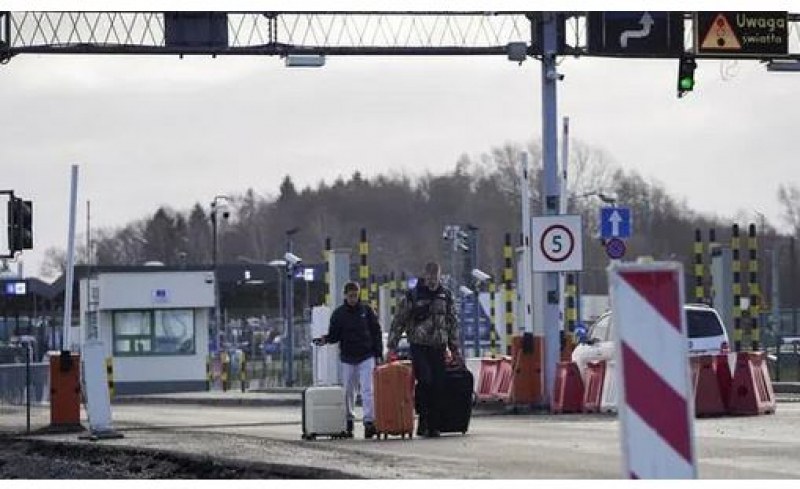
[(12, 225), (686, 67), (20, 225), (26, 224)]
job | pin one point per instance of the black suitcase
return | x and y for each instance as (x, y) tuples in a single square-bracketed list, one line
[(458, 399)]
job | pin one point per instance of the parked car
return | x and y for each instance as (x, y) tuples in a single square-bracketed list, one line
[(707, 336)]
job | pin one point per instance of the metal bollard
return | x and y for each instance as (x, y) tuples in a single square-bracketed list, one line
[(243, 373)]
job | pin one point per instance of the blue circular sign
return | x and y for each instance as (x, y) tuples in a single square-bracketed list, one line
[(615, 248)]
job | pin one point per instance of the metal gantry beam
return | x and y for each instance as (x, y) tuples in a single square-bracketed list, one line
[(288, 33), (268, 33)]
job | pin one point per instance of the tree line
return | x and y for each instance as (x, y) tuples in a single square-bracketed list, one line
[(405, 215)]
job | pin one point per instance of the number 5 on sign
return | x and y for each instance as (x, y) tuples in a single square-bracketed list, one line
[(557, 243)]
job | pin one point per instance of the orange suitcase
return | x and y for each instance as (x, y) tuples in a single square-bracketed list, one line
[(393, 386)]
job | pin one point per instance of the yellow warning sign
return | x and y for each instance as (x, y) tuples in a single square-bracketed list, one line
[(720, 35)]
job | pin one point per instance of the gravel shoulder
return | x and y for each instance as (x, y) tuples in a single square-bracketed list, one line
[(46, 459)]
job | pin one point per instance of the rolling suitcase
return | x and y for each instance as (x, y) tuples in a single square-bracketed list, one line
[(324, 412), (458, 399), (393, 386)]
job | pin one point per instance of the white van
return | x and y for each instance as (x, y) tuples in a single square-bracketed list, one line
[(707, 336)]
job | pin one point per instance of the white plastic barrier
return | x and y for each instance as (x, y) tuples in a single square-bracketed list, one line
[(610, 397), (326, 367)]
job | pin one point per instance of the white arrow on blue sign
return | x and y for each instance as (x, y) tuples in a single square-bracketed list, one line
[(615, 222)]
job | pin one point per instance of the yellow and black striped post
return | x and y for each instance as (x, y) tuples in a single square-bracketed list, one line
[(110, 376), (571, 309), (363, 269), (752, 286), (699, 289), (393, 286), (373, 293), (712, 244), (736, 266), (326, 256), (208, 372), (508, 293), (226, 367), (243, 372), (492, 314)]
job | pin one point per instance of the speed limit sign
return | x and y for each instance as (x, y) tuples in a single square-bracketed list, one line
[(557, 243)]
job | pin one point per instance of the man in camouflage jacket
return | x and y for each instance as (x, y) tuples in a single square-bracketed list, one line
[(427, 315)]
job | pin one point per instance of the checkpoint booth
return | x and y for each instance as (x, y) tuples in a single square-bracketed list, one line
[(153, 322)]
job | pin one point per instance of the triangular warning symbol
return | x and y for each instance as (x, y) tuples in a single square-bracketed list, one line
[(720, 35)]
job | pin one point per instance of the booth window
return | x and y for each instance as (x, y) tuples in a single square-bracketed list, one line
[(154, 332)]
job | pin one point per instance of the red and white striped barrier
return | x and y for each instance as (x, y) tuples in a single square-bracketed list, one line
[(655, 403)]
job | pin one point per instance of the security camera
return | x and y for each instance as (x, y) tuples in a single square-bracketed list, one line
[(480, 275), (292, 258), (553, 75)]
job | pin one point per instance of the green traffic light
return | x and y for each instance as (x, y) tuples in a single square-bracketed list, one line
[(686, 83)]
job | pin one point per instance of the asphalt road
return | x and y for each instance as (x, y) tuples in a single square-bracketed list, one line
[(497, 446)]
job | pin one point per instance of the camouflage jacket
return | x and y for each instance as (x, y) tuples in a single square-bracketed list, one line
[(427, 318)]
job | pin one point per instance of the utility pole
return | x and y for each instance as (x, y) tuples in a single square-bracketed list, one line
[(288, 348), (551, 192)]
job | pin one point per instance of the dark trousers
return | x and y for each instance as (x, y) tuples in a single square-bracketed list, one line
[(429, 370)]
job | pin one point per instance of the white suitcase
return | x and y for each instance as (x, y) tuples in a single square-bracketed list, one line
[(324, 412)]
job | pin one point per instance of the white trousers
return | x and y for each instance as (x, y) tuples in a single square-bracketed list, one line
[(354, 376)]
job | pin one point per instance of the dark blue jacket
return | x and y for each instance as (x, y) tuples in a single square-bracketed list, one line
[(358, 331)]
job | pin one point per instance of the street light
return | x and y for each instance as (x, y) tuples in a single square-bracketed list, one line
[(278, 265), (481, 278), (291, 261), (609, 198), (215, 208)]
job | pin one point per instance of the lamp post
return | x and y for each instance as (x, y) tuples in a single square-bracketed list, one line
[(214, 245), (291, 262), (278, 265), (481, 278), (609, 198), (465, 292)]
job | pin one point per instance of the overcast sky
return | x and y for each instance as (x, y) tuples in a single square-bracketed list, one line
[(151, 131)]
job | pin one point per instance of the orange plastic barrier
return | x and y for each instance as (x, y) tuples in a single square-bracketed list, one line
[(724, 378), (65, 390), (527, 382), (501, 388), (567, 346), (568, 396), (592, 397), (488, 372), (708, 400), (751, 390)]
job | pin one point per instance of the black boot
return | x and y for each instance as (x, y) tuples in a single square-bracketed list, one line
[(349, 428), (422, 426), (369, 430)]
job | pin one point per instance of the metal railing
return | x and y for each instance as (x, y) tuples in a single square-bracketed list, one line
[(24, 394)]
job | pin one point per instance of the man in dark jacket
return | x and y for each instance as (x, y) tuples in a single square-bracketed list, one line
[(427, 315), (355, 326)]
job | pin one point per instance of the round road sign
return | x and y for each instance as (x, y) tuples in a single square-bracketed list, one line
[(557, 243), (615, 248)]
